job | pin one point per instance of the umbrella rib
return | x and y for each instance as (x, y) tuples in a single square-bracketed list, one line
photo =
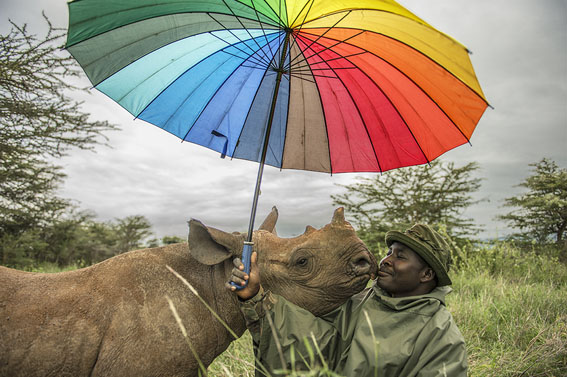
[(245, 28), (255, 67), (332, 59), (130, 44), (293, 42), (322, 76), (262, 26), (208, 103), (419, 52), (325, 121), (301, 77), (67, 46), (394, 107), (310, 66), (302, 9), (425, 25), (326, 31), (409, 78), (187, 133), (359, 114), (266, 73), (153, 36), (324, 69), (326, 77), (259, 59), (281, 22), (328, 48)]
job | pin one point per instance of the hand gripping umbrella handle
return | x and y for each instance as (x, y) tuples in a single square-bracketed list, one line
[(246, 255)]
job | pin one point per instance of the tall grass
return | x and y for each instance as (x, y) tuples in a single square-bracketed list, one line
[(237, 360), (511, 307)]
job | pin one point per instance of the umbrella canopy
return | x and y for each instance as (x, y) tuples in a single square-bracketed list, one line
[(362, 85), (323, 85)]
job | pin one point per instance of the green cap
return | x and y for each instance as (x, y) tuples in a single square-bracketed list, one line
[(430, 245)]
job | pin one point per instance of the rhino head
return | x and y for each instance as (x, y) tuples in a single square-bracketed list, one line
[(317, 270)]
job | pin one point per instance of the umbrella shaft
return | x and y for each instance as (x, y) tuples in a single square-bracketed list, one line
[(267, 137)]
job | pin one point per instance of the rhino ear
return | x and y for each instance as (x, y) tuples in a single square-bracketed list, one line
[(270, 223), (339, 216), (212, 246)]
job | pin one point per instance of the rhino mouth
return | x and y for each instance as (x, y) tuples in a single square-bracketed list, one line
[(358, 283)]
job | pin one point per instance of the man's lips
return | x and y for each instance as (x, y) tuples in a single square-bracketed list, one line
[(383, 273)]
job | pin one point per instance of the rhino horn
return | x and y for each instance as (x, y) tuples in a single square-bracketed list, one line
[(339, 216), (212, 246), (309, 229), (269, 223)]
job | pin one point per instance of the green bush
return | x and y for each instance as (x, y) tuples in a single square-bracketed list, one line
[(535, 264)]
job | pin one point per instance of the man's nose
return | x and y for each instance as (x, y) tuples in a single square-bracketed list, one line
[(385, 260)]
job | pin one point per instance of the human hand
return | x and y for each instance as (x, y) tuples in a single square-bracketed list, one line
[(239, 277)]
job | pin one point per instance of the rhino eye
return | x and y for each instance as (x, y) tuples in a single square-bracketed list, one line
[(301, 262)]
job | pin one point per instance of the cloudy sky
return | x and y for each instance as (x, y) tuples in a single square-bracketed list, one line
[(520, 57)]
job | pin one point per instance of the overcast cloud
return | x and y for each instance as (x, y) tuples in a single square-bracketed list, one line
[(520, 57)]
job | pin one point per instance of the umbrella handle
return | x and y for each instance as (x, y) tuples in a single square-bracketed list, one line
[(246, 255)]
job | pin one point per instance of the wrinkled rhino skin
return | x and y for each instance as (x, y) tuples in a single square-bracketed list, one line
[(112, 318)]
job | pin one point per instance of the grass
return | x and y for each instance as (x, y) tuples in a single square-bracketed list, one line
[(511, 328), (237, 360), (509, 304), (511, 307)]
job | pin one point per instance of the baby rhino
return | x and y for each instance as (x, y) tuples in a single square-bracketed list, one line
[(113, 318)]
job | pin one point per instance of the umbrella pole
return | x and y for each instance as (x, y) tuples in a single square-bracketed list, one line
[(247, 251)]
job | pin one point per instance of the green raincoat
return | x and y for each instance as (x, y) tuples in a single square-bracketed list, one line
[(372, 334)]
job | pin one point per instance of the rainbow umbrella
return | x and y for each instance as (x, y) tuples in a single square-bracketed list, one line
[(322, 85)]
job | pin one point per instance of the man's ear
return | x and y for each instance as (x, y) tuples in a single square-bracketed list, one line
[(427, 275)]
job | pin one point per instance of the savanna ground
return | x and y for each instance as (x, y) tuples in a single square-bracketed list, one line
[(510, 305)]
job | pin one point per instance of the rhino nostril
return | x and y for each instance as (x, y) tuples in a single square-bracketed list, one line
[(361, 265)]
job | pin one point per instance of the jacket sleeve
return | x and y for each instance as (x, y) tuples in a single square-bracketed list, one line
[(287, 335), (445, 354)]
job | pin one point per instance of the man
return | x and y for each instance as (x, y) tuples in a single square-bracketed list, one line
[(399, 327)]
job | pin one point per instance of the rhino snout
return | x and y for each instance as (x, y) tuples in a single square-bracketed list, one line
[(363, 264)]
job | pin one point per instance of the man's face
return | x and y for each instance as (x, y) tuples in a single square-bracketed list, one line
[(401, 271)]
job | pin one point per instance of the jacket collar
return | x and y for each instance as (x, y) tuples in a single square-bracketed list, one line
[(436, 298)]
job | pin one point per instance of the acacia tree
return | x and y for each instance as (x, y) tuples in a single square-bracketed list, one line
[(541, 212), (436, 194), (131, 232), (38, 122)]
